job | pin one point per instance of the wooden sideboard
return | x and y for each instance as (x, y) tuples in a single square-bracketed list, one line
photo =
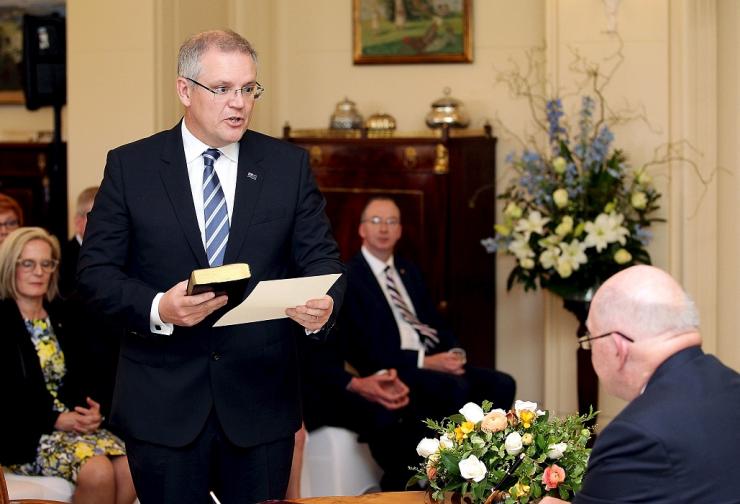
[(444, 186), (28, 174)]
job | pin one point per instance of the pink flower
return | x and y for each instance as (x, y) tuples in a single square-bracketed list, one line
[(495, 421), (553, 476)]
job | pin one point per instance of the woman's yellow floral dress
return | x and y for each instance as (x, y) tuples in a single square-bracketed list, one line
[(62, 453)]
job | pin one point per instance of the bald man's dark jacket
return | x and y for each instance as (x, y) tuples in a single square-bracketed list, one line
[(678, 442)]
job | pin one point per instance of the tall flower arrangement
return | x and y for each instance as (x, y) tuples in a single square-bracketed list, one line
[(575, 212)]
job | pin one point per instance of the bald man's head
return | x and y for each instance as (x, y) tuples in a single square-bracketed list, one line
[(643, 301)]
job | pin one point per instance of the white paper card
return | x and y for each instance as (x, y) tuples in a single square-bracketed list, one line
[(269, 300)]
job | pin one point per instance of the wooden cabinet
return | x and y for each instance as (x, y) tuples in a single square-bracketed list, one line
[(28, 174), (444, 186)]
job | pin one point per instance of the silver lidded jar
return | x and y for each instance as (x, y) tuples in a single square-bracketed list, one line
[(447, 111), (346, 116)]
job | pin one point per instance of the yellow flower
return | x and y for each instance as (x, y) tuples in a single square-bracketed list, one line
[(83, 451), (639, 200), (527, 439), (559, 164), (513, 211), (463, 430), (502, 229), (622, 256), (560, 197), (519, 490), (526, 418)]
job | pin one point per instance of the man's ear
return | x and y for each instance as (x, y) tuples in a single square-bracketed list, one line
[(183, 91), (623, 349)]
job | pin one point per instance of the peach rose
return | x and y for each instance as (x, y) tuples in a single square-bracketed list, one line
[(431, 472), (553, 476), (495, 421)]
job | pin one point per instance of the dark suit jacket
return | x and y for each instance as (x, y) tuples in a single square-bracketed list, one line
[(68, 267), (677, 442), (27, 405), (142, 238), (367, 321)]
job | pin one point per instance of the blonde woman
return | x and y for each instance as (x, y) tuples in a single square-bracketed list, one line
[(46, 428)]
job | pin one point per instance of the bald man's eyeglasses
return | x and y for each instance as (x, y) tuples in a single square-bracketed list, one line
[(585, 341), (222, 93)]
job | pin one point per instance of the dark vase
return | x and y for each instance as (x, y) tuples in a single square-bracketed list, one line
[(588, 382)]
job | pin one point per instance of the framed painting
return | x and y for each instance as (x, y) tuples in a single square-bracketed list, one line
[(11, 42), (412, 31)]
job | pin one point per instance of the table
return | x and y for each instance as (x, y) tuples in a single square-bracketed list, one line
[(371, 498)]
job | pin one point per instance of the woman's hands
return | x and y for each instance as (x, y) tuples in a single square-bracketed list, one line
[(82, 420)]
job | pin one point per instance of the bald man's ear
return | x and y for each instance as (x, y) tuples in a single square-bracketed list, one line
[(623, 349)]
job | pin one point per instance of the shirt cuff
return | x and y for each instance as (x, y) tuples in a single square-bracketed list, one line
[(420, 359), (155, 323)]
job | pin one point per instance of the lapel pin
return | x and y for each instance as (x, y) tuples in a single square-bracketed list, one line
[(252, 176)]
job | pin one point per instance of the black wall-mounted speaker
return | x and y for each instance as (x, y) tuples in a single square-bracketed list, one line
[(44, 61)]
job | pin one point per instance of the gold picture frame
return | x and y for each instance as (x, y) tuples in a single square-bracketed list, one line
[(412, 31)]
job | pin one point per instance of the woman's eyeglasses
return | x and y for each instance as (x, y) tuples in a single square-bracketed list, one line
[(47, 265)]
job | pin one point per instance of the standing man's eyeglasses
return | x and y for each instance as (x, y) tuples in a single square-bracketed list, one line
[(585, 341), (222, 93), (377, 220)]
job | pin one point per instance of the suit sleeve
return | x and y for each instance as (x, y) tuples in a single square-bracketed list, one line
[(314, 250), (626, 465), (103, 280)]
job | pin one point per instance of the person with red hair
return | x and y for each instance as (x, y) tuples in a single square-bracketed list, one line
[(11, 216)]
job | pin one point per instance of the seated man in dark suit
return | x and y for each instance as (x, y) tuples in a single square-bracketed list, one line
[(677, 440), (375, 406), (389, 321)]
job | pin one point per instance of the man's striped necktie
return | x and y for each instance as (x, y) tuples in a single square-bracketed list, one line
[(427, 334), (214, 209)]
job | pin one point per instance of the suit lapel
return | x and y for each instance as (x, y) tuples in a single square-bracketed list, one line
[(174, 174), (250, 176)]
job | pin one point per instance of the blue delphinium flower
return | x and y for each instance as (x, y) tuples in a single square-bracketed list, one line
[(644, 236), (597, 153), (554, 110)]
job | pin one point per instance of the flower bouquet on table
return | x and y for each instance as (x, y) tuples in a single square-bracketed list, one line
[(490, 455), (575, 213)]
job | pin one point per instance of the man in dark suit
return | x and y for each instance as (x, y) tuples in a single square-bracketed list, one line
[(205, 408), (71, 250), (677, 440), (389, 321), (374, 406)]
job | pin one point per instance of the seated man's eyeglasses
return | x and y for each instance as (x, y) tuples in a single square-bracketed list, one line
[(222, 93), (390, 221), (47, 265), (585, 341), (9, 224)]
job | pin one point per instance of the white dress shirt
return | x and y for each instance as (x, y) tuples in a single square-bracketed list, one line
[(410, 339), (226, 169)]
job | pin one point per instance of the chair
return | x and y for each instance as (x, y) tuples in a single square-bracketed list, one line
[(5, 498), (335, 463)]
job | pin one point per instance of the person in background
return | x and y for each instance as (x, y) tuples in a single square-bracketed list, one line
[(47, 427), (205, 408), (677, 439), (11, 216), (377, 407), (389, 321), (71, 250)]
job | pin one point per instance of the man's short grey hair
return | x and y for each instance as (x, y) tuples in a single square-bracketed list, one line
[(188, 61), (642, 318)]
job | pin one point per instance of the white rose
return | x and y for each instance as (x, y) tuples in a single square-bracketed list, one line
[(472, 469), (446, 443), (527, 263), (427, 447), (513, 443), (555, 451), (472, 412), (560, 197)]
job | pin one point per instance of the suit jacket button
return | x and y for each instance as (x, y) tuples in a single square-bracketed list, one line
[(215, 356)]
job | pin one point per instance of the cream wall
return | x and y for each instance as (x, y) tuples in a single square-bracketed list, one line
[(681, 64)]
